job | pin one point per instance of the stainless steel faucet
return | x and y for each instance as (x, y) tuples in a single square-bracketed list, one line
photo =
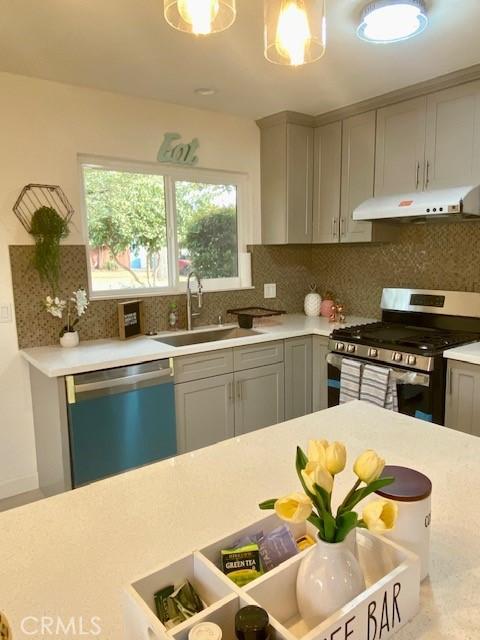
[(193, 314)]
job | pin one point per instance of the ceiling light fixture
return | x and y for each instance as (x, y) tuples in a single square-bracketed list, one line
[(200, 17), (205, 91), (295, 31), (387, 21)]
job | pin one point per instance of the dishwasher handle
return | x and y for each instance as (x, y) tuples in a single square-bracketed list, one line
[(126, 383)]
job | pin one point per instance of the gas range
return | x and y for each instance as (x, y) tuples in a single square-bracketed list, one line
[(400, 344), (417, 326)]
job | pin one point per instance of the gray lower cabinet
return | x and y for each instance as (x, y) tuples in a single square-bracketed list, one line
[(320, 373), (462, 402), (259, 398), (205, 412), (298, 377)]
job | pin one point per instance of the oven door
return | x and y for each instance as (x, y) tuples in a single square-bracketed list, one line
[(414, 388)]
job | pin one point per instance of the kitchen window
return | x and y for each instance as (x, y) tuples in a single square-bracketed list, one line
[(147, 227)]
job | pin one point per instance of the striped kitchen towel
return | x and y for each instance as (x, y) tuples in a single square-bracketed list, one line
[(350, 378), (374, 384), (391, 400)]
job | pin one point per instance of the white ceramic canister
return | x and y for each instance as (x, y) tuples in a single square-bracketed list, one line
[(412, 492), (313, 302)]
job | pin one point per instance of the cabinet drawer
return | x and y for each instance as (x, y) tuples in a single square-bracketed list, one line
[(203, 365), (257, 355)]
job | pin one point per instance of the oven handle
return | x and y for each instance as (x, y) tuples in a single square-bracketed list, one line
[(400, 376)]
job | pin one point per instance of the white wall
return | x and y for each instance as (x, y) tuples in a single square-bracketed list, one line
[(43, 127)]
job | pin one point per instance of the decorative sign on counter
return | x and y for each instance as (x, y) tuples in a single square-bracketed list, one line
[(130, 318), (181, 153)]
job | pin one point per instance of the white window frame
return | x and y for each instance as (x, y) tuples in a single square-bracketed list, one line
[(171, 174)]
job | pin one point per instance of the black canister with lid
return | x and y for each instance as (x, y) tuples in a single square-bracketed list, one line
[(252, 623)]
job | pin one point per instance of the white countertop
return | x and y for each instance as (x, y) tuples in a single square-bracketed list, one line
[(72, 554), (105, 354), (467, 353)]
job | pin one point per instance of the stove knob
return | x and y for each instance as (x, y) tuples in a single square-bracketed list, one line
[(351, 348), (372, 353), (411, 360), (340, 346), (397, 357)]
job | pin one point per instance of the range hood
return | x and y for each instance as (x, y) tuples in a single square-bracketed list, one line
[(443, 204)]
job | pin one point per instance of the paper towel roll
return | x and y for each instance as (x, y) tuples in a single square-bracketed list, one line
[(245, 269)]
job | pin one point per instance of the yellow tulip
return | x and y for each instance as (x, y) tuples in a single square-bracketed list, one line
[(336, 457), (369, 466), (295, 507), (380, 515), (316, 451), (315, 473)]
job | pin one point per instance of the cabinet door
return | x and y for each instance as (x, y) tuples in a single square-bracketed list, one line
[(462, 402), (320, 373), (273, 161), (400, 148), (327, 180), (299, 183), (358, 168), (259, 398), (298, 377), (205, 412), (453, 137)]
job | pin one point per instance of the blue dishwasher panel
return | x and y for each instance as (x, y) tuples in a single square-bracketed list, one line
[(112, 433)]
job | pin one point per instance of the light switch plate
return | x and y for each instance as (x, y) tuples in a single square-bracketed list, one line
[(270, 290), (5, 312)]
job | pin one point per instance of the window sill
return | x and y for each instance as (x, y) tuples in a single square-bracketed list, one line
[(117, 295)]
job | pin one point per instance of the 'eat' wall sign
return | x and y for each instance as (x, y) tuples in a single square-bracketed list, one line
[(180, 152)]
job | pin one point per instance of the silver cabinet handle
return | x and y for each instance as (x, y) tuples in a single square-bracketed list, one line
[(417, 179), (427, 174), (334, 227), (239, 390), (230, 390), (449, 382), (342, 226)]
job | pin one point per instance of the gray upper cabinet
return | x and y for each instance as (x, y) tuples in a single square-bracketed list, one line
[(358, 170), (453, 137), (400, 148), (205, 412), (462, 402), (327, 180), (259, 398), (286, 183), (298, 377)]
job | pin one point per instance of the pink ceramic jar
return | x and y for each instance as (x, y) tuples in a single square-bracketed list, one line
[(326, 308)]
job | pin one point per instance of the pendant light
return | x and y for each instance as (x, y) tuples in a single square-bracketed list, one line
[(294, 31), (200, 17), (386, 21)]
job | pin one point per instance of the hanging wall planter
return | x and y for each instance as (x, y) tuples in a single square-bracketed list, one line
[(45, 213)]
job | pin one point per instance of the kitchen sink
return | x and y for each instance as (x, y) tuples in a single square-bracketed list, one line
[(185, 339)]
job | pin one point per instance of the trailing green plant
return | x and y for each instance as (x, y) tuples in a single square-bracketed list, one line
[(48, 228)]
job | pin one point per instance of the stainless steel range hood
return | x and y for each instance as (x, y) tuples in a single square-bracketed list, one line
[(445, 204)]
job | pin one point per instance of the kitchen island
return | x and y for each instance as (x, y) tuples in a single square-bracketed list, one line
[(72, 554)]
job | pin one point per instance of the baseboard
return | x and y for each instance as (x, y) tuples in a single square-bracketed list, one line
[(19, 485)]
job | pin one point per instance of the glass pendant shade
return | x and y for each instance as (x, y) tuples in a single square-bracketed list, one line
[(200, 17), (295, 31)]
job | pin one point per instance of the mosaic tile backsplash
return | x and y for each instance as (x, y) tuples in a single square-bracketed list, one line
[(433, 256), (289, 267)]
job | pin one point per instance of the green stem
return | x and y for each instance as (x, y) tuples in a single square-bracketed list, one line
[(349, 495)]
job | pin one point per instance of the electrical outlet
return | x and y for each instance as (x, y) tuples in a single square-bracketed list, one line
[(5, 312), (270, 290)]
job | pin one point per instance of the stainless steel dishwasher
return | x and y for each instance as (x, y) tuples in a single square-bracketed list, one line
[(120, 419)]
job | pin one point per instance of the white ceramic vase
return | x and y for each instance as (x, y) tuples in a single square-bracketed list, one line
[(329, 577), (312, 302), (70, 339)]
